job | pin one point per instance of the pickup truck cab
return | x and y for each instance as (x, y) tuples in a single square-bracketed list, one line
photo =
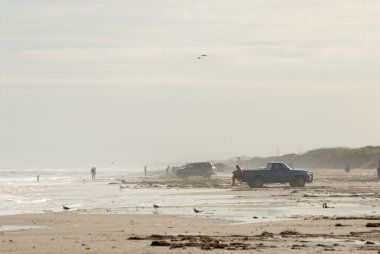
[(276, 172)]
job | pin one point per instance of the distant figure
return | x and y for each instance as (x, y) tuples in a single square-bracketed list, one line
[(348, 168), (93, 173), (38, 177), (145, 169), (167, 170), (236, 174), (66, 208)]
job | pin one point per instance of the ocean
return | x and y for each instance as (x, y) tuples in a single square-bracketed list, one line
[(20, 193)]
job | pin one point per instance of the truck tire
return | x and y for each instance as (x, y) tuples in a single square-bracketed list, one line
[(205, 175), (256, 182), (300, 181), (180, 174)]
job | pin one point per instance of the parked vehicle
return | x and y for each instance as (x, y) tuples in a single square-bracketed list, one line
[(204, 169), (276, 172)]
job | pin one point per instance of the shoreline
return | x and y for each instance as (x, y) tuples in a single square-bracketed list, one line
[(276, 218)]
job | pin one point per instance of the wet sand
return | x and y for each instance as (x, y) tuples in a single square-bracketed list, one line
[(327, 231)]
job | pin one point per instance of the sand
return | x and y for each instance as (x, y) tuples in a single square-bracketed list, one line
[(74, 232)]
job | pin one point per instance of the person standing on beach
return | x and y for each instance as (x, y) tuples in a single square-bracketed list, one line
[(348, 168), (167, 170), (236, 174), (38, 177), (145, 169), (93, 173)]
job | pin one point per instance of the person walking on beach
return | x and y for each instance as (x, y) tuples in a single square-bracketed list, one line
[(93, 173), (167, 170), (236, 174), (145, 169), (38, 177)]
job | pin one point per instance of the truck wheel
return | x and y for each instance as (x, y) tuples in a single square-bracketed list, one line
[(256, 182), (205, 175), (180, 174), (300, 181)]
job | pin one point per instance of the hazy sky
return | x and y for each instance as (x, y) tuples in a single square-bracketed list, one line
[(87, 82)]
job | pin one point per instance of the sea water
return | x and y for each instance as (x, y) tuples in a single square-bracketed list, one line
[(21, 193)]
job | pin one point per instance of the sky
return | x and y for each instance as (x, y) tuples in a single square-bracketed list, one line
[(118, 82)]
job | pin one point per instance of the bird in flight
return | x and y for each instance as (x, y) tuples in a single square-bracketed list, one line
[(66, 207), (201, 56)]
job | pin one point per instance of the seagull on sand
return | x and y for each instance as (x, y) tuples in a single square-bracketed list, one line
[(197, 211), (66, 207), (156, 206)]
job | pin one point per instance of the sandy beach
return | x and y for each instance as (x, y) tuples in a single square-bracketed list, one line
[(308, 228), (144, 127)]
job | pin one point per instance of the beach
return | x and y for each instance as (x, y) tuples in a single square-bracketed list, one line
[(273, 219)]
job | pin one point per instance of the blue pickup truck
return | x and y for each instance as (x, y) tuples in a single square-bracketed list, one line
[(276, 172)]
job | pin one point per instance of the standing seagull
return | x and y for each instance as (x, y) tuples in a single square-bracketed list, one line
[(66, 207), (197, 211)]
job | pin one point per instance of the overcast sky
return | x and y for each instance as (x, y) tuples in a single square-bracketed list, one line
[(87, 82)]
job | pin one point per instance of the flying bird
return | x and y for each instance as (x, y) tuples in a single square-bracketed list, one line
[(197, 211), (66, 208)]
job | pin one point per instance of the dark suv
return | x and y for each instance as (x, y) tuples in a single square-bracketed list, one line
[(203, 169)]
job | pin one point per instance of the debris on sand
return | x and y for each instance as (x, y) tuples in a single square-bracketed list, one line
[(372, 225), (298, 246), (203, 242), (357, 218), (160, 182), (177, 245), (136, 238), (160, 243), (289, 232), (266, 234)]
